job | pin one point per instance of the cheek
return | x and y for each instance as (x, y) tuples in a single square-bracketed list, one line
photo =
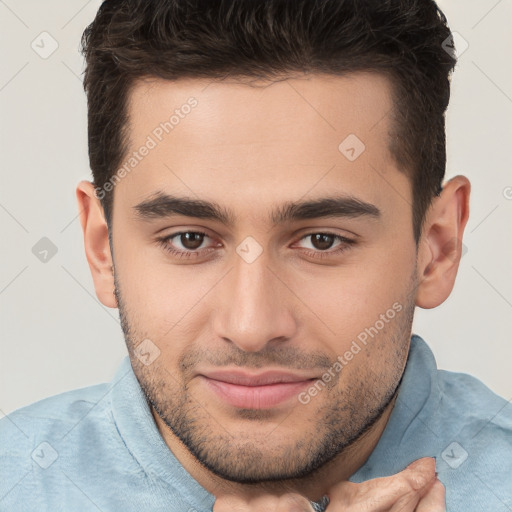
[(147, 282), (165, 302), (364, 303), (356, 294)]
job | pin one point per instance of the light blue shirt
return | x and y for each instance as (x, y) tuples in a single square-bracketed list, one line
[(98, 448)]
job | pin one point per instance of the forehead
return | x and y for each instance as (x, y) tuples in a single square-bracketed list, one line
[(256, 110), (276, 141)]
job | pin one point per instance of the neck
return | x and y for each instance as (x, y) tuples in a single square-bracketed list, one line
[(313, 486)]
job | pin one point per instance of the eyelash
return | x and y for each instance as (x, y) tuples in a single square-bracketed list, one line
[(345, 245)]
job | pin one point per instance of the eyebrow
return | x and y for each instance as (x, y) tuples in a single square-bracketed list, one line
[(162, 205)]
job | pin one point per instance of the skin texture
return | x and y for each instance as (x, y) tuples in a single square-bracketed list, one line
[(251, 149)]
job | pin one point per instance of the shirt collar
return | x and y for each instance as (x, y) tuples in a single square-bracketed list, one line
[(143, 440)]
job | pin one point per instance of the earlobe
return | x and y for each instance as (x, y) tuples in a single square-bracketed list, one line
[(440, 248), (96, 243)]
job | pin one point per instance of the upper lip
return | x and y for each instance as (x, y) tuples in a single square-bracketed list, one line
[(243, 378)]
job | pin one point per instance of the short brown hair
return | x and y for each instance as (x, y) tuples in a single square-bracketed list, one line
[(172, 39)]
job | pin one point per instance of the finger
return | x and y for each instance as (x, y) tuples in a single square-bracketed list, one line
[(411, 501), (434, 500), (402, 491), (294, 503), (420, 473)]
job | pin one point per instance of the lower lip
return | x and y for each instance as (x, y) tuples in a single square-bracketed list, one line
[(255, 397)]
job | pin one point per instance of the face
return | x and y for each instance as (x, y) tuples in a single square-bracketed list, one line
[(265, 266)]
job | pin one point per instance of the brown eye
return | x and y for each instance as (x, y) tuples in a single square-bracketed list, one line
[(322, 241), (191, 240), (320, 244), (185, 244)]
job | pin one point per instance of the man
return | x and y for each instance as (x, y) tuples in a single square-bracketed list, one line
[(267, 210)]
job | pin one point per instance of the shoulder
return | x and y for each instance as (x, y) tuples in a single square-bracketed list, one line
[(55, 411), (452, 400), (472, 400), (476, 457), (46, 433)]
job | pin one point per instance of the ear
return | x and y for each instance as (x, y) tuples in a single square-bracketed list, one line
[(97, 246), (440, 247)]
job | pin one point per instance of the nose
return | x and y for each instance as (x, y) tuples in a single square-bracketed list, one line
[(254, 306)]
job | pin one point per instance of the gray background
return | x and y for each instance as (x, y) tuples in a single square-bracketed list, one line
[(56, 336)]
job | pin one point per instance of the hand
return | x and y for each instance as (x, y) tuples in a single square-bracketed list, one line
[(415, 489)]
